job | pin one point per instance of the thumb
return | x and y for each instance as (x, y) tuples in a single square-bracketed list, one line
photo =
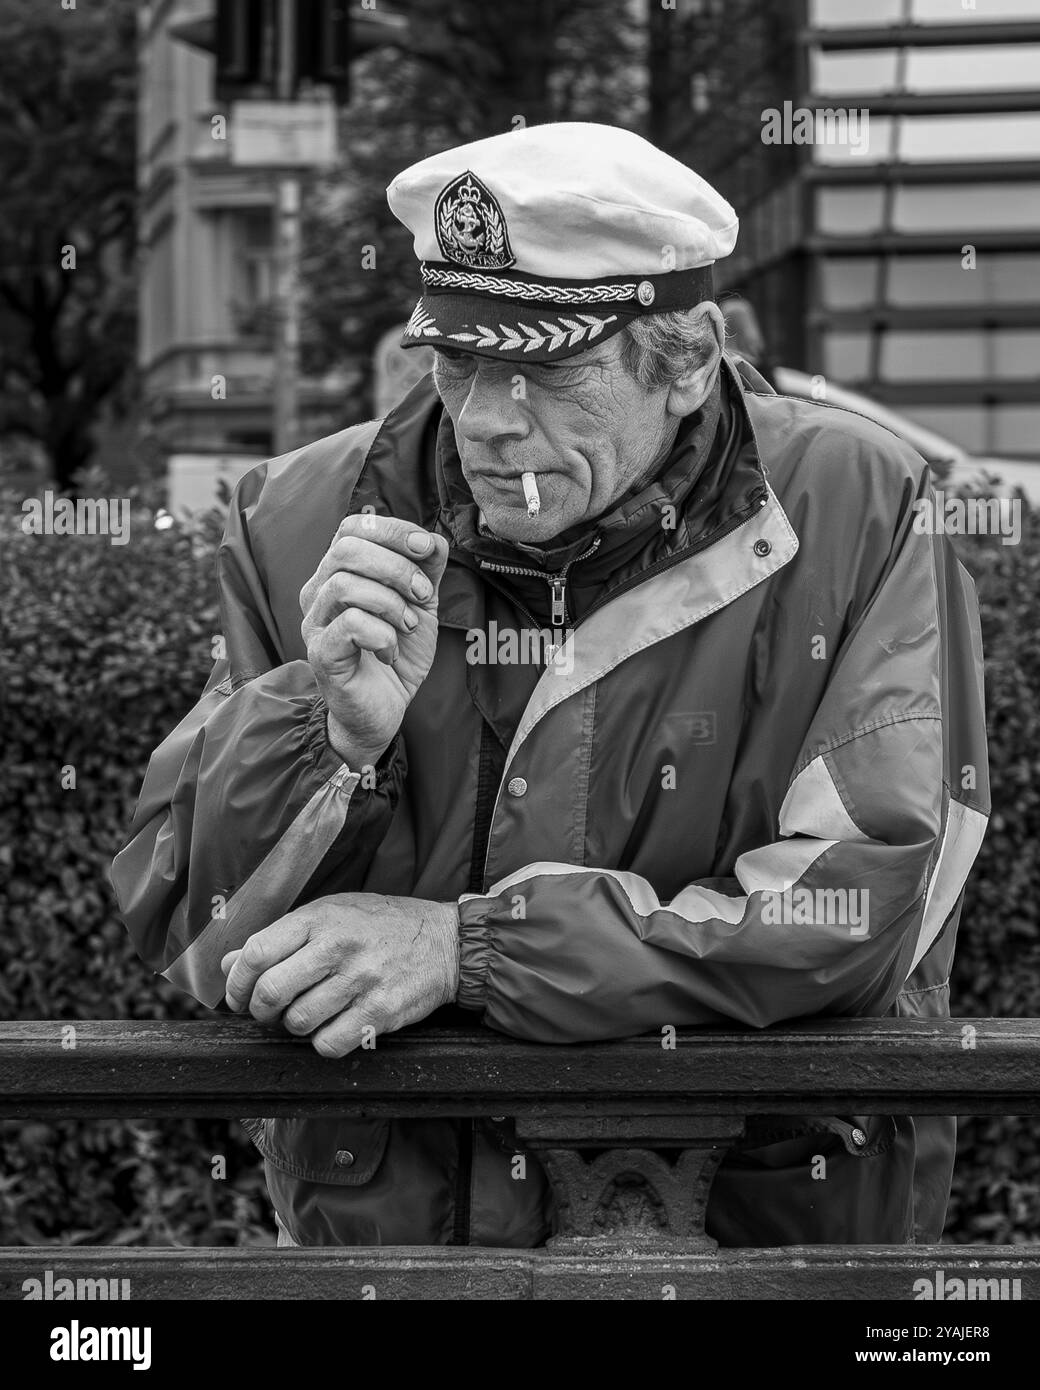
[(228, 961)]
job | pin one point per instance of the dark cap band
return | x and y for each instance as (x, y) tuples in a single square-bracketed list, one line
[(644, 294)]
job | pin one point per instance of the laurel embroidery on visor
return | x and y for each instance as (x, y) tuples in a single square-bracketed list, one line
[(421, 324), (508, 339)]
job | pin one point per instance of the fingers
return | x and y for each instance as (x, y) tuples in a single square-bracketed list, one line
[(320, 1004), (263, 950), (351, 630), (404, 537), (349, 1029), (392, 552), (342, 590), (278, 988)]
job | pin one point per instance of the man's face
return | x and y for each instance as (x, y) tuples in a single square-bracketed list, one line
[(583, 427)]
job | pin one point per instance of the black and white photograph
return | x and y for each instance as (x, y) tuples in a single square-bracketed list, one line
[(519, 670)]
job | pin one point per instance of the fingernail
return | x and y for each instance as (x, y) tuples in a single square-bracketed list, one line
[(419, 542), (411, 618), (421, 586)]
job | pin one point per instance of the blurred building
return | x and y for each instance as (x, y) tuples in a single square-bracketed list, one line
[(207, 276), (905, 265), (908, 268)]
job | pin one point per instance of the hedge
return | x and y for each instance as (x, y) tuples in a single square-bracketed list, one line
[(996, 1189), (104, 647)]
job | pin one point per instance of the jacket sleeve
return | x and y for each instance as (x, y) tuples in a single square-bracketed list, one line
[(245, 809), (883, 816)]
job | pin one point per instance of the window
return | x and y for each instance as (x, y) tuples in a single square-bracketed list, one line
[(846, 356), (863, 70), (1016, 430), (986, 135), (925, 356), (928, 281), (933, 280), (842, 13), (988, 67), (159, 326), (1012, 279), (838, 14), (1016, 353), (252, 268), (928, 139), (943, 12), (867, 139), (1004, 429), (849, 282), (965, 425), (1007, 278), (968, 208), (849, 211), (967, 68)]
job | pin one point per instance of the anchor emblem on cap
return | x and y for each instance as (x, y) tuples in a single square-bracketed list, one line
[(471, 229)]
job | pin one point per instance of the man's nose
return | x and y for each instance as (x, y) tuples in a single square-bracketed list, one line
[(491, 409)]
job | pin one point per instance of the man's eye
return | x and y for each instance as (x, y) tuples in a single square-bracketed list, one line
[(556, 370), (452, 357)]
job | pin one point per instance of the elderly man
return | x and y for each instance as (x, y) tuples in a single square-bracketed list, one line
[(627, 694)]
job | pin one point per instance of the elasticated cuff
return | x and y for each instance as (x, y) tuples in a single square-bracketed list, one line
[(474, 957)]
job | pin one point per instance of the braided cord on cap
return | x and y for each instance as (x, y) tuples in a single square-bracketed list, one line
[(677, 289), (523, 289)]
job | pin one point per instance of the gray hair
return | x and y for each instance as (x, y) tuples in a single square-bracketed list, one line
[(659, 348)]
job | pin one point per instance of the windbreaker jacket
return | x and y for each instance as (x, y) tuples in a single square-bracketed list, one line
[(774, 702)]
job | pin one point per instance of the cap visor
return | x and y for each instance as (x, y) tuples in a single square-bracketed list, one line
[(509, 331)]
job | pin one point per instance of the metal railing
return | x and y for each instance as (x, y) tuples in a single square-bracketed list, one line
[(654, 1111)]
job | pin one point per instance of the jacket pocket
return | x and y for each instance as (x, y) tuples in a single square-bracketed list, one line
[(863, 1136), (345, 1153), (816, 1180)]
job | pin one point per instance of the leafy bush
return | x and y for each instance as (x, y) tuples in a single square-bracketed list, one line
[(103, 648), (996, 1190)]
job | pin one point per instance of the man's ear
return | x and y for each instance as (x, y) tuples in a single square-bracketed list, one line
[(687, 393)]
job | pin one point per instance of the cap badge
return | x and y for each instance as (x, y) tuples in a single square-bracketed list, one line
[(470, 227)]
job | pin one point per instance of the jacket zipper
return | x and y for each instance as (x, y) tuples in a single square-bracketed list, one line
[(758, 501), (463, 1181), (557, 582), (463, 1184)]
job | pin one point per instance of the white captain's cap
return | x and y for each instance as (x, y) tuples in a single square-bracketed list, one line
[(540, 242)]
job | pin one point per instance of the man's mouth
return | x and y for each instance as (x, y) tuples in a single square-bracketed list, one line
[(511, 483)]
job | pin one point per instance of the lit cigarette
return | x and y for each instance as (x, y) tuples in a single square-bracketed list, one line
[(534, 502)]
